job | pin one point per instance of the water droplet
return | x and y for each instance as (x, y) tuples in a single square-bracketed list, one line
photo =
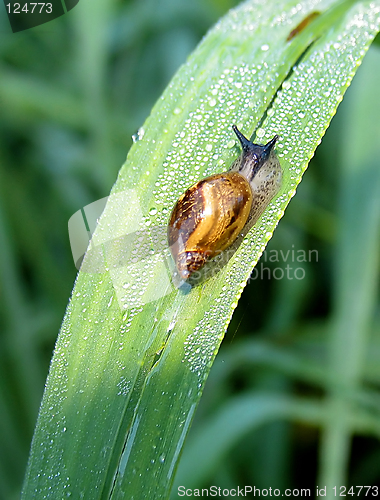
[(138, 135)]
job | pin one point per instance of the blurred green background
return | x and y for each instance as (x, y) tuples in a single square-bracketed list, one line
[(72, 93)]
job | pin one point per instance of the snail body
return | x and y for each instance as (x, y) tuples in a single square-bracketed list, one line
[(210, 216)]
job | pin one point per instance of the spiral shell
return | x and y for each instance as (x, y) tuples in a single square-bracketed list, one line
[(211, 215)]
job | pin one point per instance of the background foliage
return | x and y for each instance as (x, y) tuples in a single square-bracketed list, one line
[(71, 94)]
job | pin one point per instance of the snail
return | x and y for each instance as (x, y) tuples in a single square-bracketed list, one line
[(216, 212)]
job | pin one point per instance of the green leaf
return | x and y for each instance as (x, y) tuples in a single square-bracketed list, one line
[(134, 352)]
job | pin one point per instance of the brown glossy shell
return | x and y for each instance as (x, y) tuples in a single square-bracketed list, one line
[(217, 212), (207, 219)]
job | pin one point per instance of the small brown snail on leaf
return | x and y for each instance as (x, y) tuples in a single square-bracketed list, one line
[(213, 213)]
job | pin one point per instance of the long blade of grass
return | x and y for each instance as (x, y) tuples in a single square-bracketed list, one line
[(134, 352)]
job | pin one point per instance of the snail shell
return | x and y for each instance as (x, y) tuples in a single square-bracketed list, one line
[(217, 211)]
